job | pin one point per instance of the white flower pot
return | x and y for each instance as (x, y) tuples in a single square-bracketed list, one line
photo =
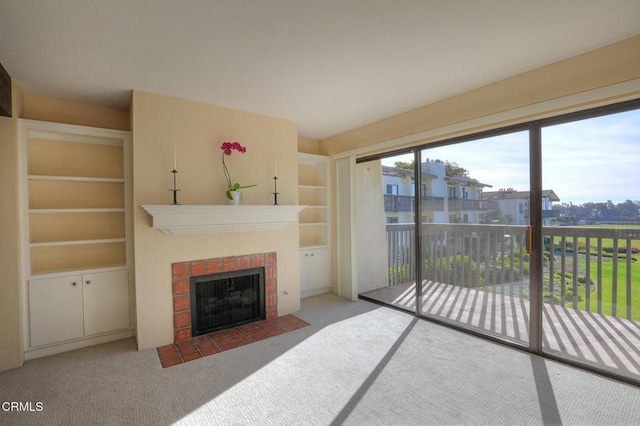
[(237, 198)]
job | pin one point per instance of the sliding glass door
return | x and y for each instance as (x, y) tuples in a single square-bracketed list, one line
[(591, 274), (529, 235), (473, 235)]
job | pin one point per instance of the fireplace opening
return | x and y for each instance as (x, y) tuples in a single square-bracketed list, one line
[(226, 299)]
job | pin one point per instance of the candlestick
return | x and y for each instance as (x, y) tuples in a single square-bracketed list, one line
[(275, 191), (174, 190)]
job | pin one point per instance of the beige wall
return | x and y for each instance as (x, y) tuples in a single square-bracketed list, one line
[(308, 145), (62, 111), (613, 64), (10, 305), (197, 130), (17, 100)]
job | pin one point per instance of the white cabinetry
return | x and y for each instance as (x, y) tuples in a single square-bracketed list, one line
[(75, 306), (105, 301), (315, 254), (56, 309), (76, 224), (315, 271)]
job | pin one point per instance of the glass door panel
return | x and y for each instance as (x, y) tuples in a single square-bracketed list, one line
[(475, 215), (393, 207), (591, 237)]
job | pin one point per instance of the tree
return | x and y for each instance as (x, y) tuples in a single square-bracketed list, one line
[(404, 165), (627, 210), (567, 220), (452, 169)]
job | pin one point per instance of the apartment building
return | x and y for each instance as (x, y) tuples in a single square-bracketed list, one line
[(514, 205), (445, 199)]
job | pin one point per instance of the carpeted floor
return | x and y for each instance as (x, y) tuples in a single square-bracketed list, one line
[(356, 363)]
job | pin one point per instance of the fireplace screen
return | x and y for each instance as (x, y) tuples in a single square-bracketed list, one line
[(227, 299)]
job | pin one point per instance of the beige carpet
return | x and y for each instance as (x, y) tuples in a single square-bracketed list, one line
[(357, 363)]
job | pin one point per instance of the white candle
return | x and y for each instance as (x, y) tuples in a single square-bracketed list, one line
[(175, 159), (275, 167)]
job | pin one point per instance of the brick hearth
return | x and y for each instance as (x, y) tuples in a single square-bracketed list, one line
[(182, 271), (220, 341)]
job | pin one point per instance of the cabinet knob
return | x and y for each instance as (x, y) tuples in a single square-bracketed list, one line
[(74, 283), (88, 281)]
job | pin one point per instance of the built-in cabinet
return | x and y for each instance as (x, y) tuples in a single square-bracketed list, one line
[(77, 306), (315, 254), (315, 271), (75, 192)]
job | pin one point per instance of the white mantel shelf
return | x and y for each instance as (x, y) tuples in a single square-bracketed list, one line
[(189, 220)]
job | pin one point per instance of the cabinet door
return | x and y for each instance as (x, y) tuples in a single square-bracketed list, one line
[(55, 310), (315, 271), (106, 301), (321, 269), (305, 271)]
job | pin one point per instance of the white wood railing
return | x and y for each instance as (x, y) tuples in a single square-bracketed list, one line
[(492, 256)]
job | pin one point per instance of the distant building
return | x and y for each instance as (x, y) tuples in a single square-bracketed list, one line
[(398, 188), (464, 201), (513, 205), (444, 199)]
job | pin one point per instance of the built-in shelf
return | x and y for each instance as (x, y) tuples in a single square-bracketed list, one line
[(86, 269), (77, 242), (75, 192), (185, 220), (96, 210), (76, 179), (315, 253)]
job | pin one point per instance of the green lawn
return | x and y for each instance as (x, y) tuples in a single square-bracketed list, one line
[(607, 281), (608, 242), (607, 290)]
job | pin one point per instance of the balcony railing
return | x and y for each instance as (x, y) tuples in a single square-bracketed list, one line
[(467, 204), (398, 203), (405, 203), (584, 267)]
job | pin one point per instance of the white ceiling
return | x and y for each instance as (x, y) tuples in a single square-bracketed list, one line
[(329, 65)]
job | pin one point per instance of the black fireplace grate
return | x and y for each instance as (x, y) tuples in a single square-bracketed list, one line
[(226, 299)]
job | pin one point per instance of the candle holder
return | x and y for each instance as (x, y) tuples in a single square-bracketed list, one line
[(175, 190), (275, 191)]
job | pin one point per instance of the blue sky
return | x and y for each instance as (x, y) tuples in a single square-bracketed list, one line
[(590, 160)]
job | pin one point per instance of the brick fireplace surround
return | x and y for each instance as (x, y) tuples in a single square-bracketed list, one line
[(182, 271)]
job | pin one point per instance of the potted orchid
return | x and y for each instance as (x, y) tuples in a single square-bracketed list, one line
[(233, 192)]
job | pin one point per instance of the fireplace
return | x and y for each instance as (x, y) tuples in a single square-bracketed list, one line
[(183, 272), (226, 299)]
